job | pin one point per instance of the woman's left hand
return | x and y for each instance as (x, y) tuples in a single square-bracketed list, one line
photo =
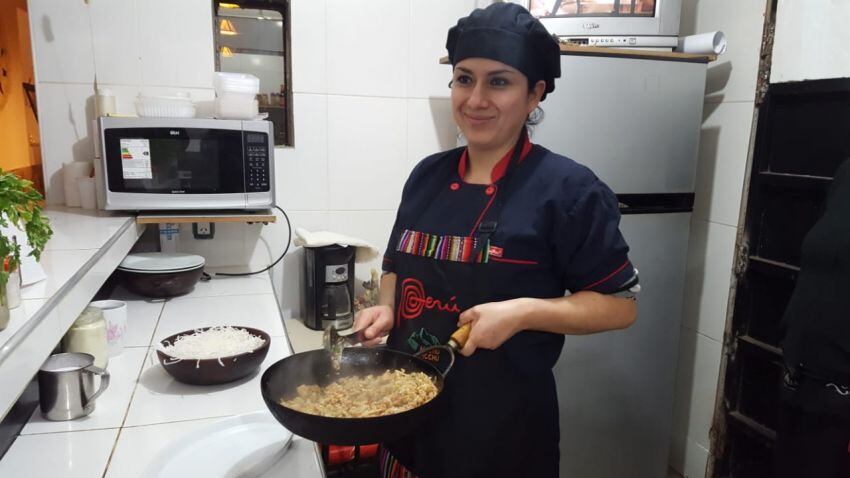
[(493, 323)]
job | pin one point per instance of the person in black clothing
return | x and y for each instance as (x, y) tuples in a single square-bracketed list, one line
[(813, 432)]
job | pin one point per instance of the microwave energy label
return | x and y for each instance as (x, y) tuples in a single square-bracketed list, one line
[(136, 159)]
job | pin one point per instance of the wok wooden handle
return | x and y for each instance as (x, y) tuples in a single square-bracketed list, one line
[(459, 337)]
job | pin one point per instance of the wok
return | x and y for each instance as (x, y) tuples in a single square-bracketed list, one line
[(314, 367)]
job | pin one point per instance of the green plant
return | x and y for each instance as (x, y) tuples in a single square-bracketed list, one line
[(21, 206)]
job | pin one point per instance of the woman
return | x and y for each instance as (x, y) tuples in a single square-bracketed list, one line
[(493, 235), (813, 432)]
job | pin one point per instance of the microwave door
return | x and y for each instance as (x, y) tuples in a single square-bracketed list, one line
[(174, 168)]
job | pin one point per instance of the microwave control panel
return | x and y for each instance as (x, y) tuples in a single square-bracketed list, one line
[(256, 162)]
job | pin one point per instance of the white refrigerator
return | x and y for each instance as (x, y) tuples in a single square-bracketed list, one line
[(636, 124)]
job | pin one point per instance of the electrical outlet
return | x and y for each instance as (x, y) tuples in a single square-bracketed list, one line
[(203, 230)]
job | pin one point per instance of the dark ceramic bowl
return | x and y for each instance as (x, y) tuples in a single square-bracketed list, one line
[(214, 371), (161, 284)]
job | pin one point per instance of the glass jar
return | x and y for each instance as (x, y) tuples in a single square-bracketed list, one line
[(13, 289), (88, 335)]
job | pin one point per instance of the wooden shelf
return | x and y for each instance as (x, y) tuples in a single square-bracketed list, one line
[(753, 425), (776, 265), (761, 345), (634, 53), (188, 217)]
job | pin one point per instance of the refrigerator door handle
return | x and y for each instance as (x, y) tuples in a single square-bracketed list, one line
[(655, 203)]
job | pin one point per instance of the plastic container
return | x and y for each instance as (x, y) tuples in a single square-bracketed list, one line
[(105, 102), (236, 106), (88, 335), (236, 95), (179, 106), (242, 83)]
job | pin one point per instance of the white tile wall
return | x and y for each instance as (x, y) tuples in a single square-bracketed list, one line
[(367, 47), (62, 42), (724, 144), (723, 149), (116, 45), (175, 49), (690, 458), (125, 46), (710, 258), (430, 128), (808, 35), (301, 172), (309, 46), (696, 385), (429, 24), (732, 77), (65, 111), (367, 152)]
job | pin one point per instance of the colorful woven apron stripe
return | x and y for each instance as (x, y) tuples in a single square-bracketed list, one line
[(444, 248)]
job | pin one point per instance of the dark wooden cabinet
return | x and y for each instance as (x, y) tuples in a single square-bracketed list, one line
[(803, 134)]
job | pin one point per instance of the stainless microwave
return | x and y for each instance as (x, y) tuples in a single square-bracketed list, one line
[(185, 164)]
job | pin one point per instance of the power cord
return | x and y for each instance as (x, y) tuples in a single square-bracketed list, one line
[(288, 243)]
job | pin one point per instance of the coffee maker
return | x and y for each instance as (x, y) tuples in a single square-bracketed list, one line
[(329, 287)]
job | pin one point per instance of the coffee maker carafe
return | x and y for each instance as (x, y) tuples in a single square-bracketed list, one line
[(329, 287)]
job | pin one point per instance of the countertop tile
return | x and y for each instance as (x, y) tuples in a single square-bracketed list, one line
[(75, 228), (142, 317), (59, 266), (161, 399), (67, 455), (110, 407), (300, 459), (222, 285), (259, 311), (19, 316)]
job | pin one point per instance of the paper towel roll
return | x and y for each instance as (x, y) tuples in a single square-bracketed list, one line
[(70, 173), (711, 43)]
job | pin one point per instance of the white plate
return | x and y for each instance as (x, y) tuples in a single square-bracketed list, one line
[(160, 262), (251, 445)]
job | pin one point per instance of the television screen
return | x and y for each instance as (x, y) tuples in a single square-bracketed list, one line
[(591, 8)]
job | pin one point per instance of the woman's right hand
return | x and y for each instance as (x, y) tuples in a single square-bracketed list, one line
[(375, 322)]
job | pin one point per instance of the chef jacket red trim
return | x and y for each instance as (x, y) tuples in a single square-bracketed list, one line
[(560, 216), (608, 277), (496, 174), (499, 169)]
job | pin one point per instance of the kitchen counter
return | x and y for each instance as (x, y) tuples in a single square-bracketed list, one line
[(145, 417), (85, 248)]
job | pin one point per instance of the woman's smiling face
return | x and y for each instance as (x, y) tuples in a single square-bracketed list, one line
[(491, 101)]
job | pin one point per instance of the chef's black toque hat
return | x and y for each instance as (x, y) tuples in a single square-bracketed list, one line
[(508, 33)]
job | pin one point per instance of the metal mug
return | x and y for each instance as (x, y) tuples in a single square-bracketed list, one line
[(66, 386)]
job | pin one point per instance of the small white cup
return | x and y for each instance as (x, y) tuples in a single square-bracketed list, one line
[(115, 313), (88, 196)]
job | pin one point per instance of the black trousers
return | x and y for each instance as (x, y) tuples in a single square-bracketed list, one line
[(811, 445)]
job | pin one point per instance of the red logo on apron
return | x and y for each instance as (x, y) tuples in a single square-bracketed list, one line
[(496, 251), (414, 301)]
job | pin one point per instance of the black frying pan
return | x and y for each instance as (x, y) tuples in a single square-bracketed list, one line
[(314, 367)]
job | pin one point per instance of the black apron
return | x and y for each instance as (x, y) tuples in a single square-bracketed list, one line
[(497, 418)]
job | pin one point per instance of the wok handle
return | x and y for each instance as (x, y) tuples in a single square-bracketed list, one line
[(459, 337), (448, 349), (456, 342)]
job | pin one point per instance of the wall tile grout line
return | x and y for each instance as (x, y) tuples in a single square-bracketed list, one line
[(691, 329), (133, 394)]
